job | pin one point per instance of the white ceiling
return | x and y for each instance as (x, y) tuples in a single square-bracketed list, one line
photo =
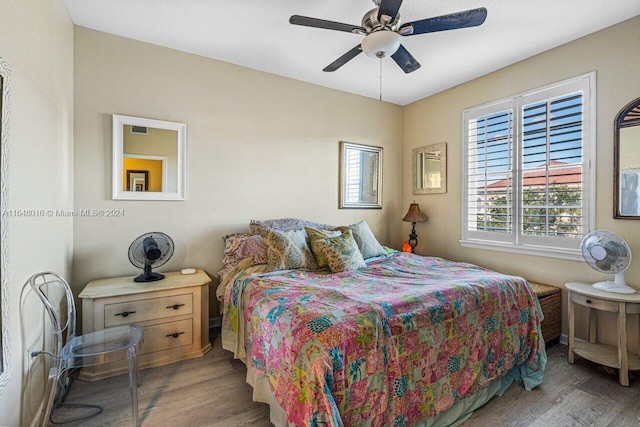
[(257, 34)]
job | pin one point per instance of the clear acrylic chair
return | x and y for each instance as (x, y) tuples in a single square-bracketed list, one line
[(71, 351)]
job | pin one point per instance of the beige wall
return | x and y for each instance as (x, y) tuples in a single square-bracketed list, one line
[(259, 147), (612, 53), (36, 39)]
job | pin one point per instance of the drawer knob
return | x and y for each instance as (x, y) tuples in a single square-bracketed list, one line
[(175, 334), (175, 306), (124, 313), (588, 301)]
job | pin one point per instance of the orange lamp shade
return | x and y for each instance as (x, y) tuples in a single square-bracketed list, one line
[(406, 247)]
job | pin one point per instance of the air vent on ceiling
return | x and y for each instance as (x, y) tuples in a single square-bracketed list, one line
[(140, 130)]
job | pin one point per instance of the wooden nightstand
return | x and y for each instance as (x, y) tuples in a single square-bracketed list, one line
[(173, 313), (616, 357)]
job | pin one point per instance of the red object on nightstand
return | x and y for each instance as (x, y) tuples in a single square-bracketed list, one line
[(406, 247)]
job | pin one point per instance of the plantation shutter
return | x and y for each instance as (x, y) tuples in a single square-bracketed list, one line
[(527, 161), (490, 171), (551, 180)]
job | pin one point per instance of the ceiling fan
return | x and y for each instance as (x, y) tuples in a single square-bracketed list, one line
[(382, 29)]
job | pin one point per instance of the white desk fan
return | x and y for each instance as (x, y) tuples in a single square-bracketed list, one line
[(608, 253)]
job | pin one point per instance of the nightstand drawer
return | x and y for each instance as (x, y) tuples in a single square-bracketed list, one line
[(594, 302), (167, 335), (124, 313)]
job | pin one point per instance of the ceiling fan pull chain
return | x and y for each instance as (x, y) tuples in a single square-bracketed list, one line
[(380, 79)]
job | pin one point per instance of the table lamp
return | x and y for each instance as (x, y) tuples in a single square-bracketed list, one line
[(414, 215)]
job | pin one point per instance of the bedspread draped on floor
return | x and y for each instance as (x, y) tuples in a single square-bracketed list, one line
[(393, 344)]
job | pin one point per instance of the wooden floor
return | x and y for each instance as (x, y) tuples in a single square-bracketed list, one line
[(211, 391)]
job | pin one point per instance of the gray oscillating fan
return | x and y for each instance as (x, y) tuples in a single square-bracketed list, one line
[(608, 253), (150, 250)]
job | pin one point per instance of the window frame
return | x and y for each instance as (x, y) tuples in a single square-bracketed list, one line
[(516, 241)]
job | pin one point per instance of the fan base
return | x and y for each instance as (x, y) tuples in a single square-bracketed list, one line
[(614, 287), (149, 277)]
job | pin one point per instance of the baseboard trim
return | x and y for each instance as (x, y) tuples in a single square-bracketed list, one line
[(564, 339)]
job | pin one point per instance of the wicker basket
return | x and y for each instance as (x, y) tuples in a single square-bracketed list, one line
[(550, 302)]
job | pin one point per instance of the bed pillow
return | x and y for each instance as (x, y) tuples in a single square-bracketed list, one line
[(253, 246), (239, 246), (366, 241), (341, 252), (315, 235), (232, 244), (287, 250), (285, 224)]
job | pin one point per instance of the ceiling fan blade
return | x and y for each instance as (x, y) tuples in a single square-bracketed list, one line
[(389, 8), (328, 25), (405, 60), (343, 59), (467, 18)]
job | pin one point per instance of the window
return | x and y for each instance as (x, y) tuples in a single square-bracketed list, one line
[(529, 163)]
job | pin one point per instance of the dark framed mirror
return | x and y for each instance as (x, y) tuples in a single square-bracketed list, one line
[(626, 162)]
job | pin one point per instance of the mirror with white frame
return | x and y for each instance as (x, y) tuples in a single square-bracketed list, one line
[(360, 176), (4, 268), (149, 159), (430, 169)]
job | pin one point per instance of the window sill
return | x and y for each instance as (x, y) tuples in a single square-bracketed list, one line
[(544, 251)]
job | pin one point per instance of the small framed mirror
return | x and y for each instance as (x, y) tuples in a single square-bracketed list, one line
[(626, 147), (149, 159), (360, 176), (430, 169)]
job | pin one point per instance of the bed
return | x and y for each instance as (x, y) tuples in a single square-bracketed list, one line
[(404, 340)]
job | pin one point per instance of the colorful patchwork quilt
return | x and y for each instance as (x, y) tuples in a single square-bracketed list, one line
[(391, 344)]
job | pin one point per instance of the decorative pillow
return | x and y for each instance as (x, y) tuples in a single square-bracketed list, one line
[(287, 250), (366, 241), (315, 235), (239, 246), (232, 244), (285, 224), (227, 236), (253, 246), (341, 252)]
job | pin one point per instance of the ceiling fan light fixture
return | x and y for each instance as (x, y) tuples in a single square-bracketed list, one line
[(381, 44), (382, 29)]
